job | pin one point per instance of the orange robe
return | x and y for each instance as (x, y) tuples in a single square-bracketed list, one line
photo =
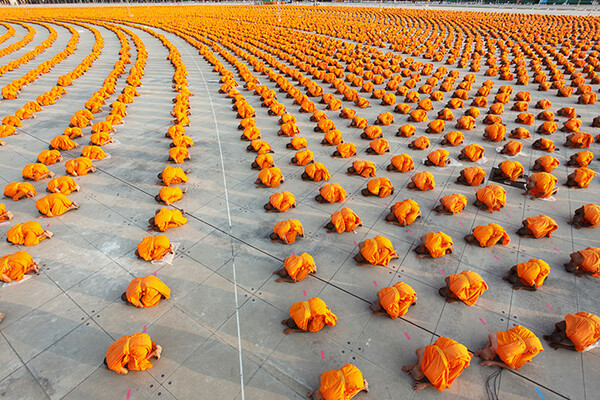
[(62, 142), (467, 286), (548, 163), (333, 193), (298, 142), (544, 184), (153, 248), (18, 190), (34, 171), (312, 315), (78, 166), (439, 157), (282, 201), (288, 230), (25, 233), (260, 146), (386, 118), (406, 211), (520, 133), (454, 203), (378, 251), (512, 148), (173, 175), (580, 140), (298, 267), (444, 361), (131, 352), (421, 143), (341, 384), (403, 162), (93, 152), (381, 187), (474, 175), (49, 157), (396, 299), (53, 205), (345, 220), (333, 137), (437, 243), (407, 130), (170, 195), (346, 149), (168, 218), (365, 168), (454, 138), (493, 196), (591, 214), (584, 158), (495, 132), (63, 184), (303, 157), (473, 152), (517, 346), (466, 122), (15, 265), (100, 138), (583, 329), (317, 172), (424, 180), (373, 131), (583, 176), (147, 291), (546, 145), (533, 272), (436, 126), (511, 169), (380, 146), (271, 177), (179, 154), (591, 260), (541, 226), (489, 235)]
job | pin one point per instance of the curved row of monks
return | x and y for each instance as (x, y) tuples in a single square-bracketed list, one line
[(437, 365)]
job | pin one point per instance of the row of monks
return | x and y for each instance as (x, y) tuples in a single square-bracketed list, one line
[(366, 66)]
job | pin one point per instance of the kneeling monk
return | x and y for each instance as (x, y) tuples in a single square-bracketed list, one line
[(466, 287), (55, 204), (587, 216), (394, 301), (529, 275), (146, 292), (296, 268), (309, 316), (404, 212), (376, 251), (488, 235), (286, 231), (492, 197), (471, 176), (537, 227), (514, 347), (340, 384), (438, 364), (344, 220), (13, 267), (19, 190), (281, 202), (167, 218), (133, 352), (451, 204), (154, 248), (434, 245), (585, 262), (4, 214), (580, 332), (28, 234)]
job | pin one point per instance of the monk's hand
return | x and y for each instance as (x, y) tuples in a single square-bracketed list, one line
[(486, 363), (418, 386)]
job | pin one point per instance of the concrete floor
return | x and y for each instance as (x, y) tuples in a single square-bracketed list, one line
[(59, 323)]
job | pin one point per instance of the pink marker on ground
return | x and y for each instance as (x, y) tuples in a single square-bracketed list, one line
[(294, 254), (508, 216), (144, 330), (322, 355), (442, 271), (304, 292), (406, 334), (552, 308), (128, 394), (557, 249), (461, 224), (497, 258), (482, 321), (409, 232), (155, 273), (374, 283), (355, 243)]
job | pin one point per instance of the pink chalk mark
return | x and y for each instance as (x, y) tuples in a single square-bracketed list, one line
[(387, 204), (552, 207), (508, 216), (79, 179), (482, 321), (552, 308), (556, 249), (47, 225), (144, 330), (461, 224), (155, 272), (294, 254), (406, 334), (128, 394), (409, 232), (442, 271), (374, 283), (304, 292), (355, 243), (322, 355), (497, 258)]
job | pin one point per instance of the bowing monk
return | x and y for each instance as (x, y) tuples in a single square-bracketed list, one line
[(541, 185), (381, 187), (394, 301), (378, 146), (93, 152), (492, 197), (580, 178), (316, 172), (434, 245), (438, 364), (420, 143), (19, 190), (340, 384), (49, 157), (581, 159), (131, 353), (401, 163), (263, 161), (170, 195), (404, 213), (471, 176), (514, 347), (297, 143), (281, 202), (585, 262), (14, 267), (365, 169), (270, 177), (488, 235), (309, 316), (55, 204), (146, 292), (80, 166), (296, 268), (422, 181), (154, 248), (344, 220), (472, 152), (173, 175), (438, 158), (466, 286), (451, 204), (544, 144), (586, 216), (511, 170), (331, 193), (578, 332), (453, 138), (4, 214), (36, 172), (545, 164), (376, 251), (63, 184), (28, 234), (286, 231), (345, 150), (537, 227), (303, 157), (512, 148), (167, 218), (528, 275)]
